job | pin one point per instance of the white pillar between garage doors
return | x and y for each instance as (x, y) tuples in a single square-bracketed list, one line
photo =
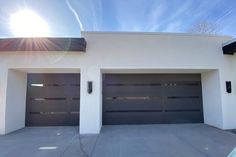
[(3, 92), (90, 104)]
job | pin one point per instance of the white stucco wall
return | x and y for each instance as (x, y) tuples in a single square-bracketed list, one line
[(229, 99), (90, 104), (15, 101), (136, 53), (3, 88), (212, 100)]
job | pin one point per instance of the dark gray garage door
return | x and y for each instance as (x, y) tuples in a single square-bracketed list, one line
[(53, 100), (152, 98)]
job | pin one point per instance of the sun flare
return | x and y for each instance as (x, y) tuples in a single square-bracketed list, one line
[(27, 23)]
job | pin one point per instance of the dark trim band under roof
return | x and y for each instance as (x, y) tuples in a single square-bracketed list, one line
[(43, 44), (229, 48)]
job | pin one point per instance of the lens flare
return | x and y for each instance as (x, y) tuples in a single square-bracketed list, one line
[(27, 23)]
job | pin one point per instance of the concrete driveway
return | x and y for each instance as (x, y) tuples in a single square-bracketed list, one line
[(195, 140)]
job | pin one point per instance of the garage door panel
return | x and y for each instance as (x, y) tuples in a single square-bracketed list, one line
[(48, 93), (183, 100), (48, 103), (37, 119), (53, 120), (130, 79), (74, 91), (74, 118), (53, 79), (75, 106), (34, 103), (181, 77), (132, 82), (184, 117), (126, 96), (183, 107), (145, 105), (47, 82), (183, 104), (173, 94), (54, 91), (53, 100), (182, 91), (133, 118), (154, 90), (50, 107)]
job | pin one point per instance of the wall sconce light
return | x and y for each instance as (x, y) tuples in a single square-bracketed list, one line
[(90, 87), (228, 86)]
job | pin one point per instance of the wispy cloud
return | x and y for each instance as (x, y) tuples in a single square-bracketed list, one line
[(155, 17), (226, 23), (173, 27), (89, 13), (75, 14), (128, 15), (174, 17), (227, 13), (96, 9)]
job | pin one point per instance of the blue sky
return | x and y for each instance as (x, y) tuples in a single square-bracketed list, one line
[(123, 15)]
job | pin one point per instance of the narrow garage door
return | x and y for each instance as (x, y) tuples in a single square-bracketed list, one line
[(53, 100), (152, 98)]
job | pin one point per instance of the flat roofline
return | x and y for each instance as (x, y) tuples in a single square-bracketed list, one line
[(154, 33), (43, 44), (229, 48), (229, 42)]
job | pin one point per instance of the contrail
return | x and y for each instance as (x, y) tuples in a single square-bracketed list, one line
[(226, 14), (76, 15)]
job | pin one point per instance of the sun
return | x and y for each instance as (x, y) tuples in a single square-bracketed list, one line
[(27, 23)]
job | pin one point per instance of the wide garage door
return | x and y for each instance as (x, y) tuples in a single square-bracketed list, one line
[(152, 98), (53, 100)]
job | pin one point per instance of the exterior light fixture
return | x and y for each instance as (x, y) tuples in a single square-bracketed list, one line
[(228, 86), (90, 87)]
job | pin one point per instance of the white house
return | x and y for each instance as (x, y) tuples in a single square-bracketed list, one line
[(117, 78)]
